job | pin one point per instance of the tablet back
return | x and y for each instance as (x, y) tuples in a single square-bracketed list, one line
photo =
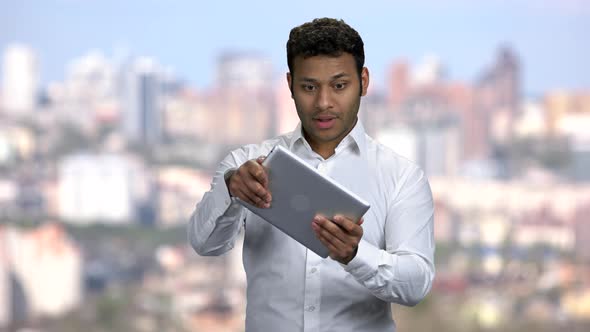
[(300, 192)]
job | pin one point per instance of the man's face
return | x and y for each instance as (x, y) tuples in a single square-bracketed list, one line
[(326, 94)]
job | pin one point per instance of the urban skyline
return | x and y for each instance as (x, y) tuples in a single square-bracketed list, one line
[(548, 35)]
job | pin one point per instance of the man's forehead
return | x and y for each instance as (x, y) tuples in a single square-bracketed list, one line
[(324, 66)]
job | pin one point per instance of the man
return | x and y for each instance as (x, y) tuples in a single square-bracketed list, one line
[(385, 257)]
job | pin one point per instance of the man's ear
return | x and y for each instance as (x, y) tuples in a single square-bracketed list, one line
[(290, 83), (364, 81)]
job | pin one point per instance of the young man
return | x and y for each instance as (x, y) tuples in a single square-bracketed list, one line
[(385, 257)]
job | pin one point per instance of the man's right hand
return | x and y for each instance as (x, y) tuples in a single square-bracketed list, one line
[(250, 183)]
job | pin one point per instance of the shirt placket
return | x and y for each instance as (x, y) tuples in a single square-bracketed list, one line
[(311, 304), (313, 291)]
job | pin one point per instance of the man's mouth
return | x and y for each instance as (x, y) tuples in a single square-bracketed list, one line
[(325, 122)]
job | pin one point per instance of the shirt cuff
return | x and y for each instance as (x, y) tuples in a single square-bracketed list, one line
[(364, 265), (221, 193)]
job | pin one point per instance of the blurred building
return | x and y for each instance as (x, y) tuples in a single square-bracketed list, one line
[(17, 144), (439, 151), (143, 95), (5, 289), (446, 223), (189, 116), (579, 165), (244, 99), (20, 81), (562, 199), (428, 72), (582, 232), (442, 113), (434, 146), (399, 83), (207, 293), (568, 116), (401, 139), (286, 113), (9, 192), (179, 191), (41, 274), (561, 104), (532, 122), (89, 95), (102, 188), (377, 114), (542, 227), (238, 71), (498, 96)]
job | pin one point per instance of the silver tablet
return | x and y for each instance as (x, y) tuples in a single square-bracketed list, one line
[(299, 192)]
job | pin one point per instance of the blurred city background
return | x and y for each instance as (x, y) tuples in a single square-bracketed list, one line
[(114, 115)]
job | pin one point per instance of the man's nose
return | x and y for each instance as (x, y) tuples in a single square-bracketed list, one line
[(324, 99)]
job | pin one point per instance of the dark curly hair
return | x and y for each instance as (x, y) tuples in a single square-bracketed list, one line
[(325, 36)]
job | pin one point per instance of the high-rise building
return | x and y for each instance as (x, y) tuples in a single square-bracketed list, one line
[(399, 82), (244, 101), (143, 101), (244, 71), (89, 93), (498, 91), (20, 80), (506, 80)]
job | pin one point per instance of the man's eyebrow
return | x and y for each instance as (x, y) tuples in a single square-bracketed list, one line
[(313, 80), (308, 79), (341, 75)]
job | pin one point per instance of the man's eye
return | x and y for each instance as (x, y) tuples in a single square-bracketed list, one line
[(308, 87), (339, 86)]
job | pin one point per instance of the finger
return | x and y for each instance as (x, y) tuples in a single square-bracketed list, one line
[(256, 188), (332, 250), (259, 173), (328, 239), (260, 159), (329, 227), (241, 194), (252, 198), (361, 221), (347, 224)]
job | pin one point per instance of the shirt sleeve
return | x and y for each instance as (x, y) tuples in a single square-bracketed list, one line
[(403, 273), (216, 221)]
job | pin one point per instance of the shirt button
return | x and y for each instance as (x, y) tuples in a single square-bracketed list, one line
[(310, 308), (313, 270)]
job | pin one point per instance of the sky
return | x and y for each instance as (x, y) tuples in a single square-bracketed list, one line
[(551, 37)]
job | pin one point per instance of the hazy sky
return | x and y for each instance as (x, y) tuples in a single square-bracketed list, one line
[(551, 37)]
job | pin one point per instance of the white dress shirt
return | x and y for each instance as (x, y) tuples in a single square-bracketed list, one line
[(290, 288)]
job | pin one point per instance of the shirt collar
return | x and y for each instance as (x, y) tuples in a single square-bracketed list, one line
[(356, 136)]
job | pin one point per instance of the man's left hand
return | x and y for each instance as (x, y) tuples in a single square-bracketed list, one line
[(340, 235)]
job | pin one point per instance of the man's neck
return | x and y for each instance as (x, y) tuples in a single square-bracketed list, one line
[(324, 150)]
